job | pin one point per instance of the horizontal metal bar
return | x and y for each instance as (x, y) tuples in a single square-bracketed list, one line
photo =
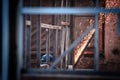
[(47, 71), (71, 72), (71, 76), (71, 47), (76, 10)]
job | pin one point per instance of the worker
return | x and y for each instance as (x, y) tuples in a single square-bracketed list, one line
[(51, 58)]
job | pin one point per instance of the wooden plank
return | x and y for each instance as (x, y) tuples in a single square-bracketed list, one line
[(43, 25), (84, 43)]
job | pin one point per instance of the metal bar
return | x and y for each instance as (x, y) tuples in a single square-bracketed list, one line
[(40, 33), (56, 40), (96, 42), (71, 46), (67, 36), (38, 41), (60, 18), (119, 24), (68, 10), (67, 43), (28, 46), (19, 40), (24, 43), (62, 46), (5, 39), (71, 54), (47, 45), (47, 71), (53, 33)]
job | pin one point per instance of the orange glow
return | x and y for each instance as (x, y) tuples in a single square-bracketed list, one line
[(82, 45)]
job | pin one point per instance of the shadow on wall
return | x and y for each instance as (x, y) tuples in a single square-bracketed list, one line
[(116, 51)]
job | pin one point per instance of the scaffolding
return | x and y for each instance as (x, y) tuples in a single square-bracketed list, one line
[(93, 29)]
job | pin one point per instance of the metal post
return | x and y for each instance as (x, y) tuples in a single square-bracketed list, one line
[(38, 42), (47, 46), (66, 37), (24, 43), (19, 40), (28, 46), (71, 58), (96, 43), (5, 39), (53, 23)]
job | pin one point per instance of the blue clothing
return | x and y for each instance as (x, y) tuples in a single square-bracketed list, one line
[(51, 58)]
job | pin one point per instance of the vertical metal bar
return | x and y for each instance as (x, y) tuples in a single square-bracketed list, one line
[(40, 34), (118, 24), (96, 43), (62, 34), (62, 45), (67, 35), (28, 46), (38, 41), (19, 40), (5, 39), (47, 46), (71, 58), (24, 42), (53, 23)]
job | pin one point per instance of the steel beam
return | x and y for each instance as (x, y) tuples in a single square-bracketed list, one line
[(19, 40), (96, 42), (38, 41), (28, 46), (47, 46), (68, 10), (5, 39), (71, 47)]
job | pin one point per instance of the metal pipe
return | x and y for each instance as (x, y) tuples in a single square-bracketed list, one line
[(28, 46), (96, 42), (5, 39), (68, 10), (38, 41), (47, 46), (19, 40)]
